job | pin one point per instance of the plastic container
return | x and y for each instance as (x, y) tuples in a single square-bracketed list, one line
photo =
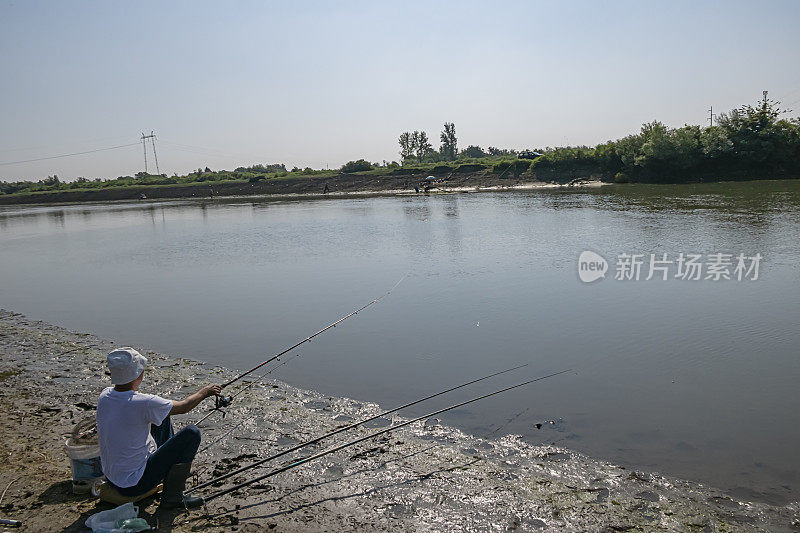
[(83, 451), (85, 459), (107, 520)]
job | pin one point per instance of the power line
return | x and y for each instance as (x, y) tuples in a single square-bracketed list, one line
[(213, 152), (68, 155), (793, 102), (790, 94), (67, 143)]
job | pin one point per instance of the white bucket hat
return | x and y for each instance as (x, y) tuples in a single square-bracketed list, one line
[(125, 365)]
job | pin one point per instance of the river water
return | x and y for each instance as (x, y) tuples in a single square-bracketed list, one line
[(696, 379)]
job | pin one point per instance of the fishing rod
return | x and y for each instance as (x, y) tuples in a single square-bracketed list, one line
[(372, 435), (262, 376), (220, 403), (346, 428), (230, 399), (224, 401)]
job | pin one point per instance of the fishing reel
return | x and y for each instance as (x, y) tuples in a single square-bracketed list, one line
[(222, 401)]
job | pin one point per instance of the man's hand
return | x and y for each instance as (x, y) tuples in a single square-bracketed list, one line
[(210, 390), (190, 402)]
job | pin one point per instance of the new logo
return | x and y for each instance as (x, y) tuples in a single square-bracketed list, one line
[(591, 266)]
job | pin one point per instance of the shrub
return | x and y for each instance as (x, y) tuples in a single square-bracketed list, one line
[(356, 166), (262, 169), (473, 151)]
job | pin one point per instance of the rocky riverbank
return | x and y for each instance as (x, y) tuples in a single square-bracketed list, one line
[(425, 477)]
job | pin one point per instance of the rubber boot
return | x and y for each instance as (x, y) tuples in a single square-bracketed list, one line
[(172, 495)]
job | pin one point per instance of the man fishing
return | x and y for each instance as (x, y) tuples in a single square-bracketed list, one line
[(138, 449)]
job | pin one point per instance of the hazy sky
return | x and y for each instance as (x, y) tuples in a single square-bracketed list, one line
[(225, 84)]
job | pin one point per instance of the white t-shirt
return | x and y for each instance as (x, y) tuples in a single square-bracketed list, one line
[(123, 428)]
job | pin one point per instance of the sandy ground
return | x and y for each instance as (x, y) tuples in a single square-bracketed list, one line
[(426, 477)]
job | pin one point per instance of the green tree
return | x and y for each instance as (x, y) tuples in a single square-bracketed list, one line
[(473, 151), (715, 144), (406, 146), (421, 144), (608, 158), (500, 151), (666, 151), (628, 148), (760, 138), (449, 148)]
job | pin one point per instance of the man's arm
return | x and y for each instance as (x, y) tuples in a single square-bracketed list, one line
[(190, 402)]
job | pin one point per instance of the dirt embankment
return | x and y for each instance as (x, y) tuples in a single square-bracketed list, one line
[(426, 477), (341, 184)]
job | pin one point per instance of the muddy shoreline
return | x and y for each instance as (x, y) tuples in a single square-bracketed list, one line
[(337, 186), (425, 477)]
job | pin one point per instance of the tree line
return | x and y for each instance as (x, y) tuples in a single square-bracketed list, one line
[(415, 145), (750, 142)]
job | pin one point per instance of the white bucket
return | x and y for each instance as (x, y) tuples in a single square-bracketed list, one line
[(85, 459), (83, 451)]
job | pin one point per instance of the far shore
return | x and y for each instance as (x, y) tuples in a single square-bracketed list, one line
[(342, 185), (409, 182)]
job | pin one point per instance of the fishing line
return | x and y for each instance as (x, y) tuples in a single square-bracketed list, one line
[(211, 151)]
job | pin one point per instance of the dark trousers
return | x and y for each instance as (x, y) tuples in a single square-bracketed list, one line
[(172, 449)]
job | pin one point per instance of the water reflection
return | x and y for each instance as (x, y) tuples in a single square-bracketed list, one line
[(416, 211)]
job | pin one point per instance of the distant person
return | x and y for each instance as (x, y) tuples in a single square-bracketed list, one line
[(138, 449), (326, 189)]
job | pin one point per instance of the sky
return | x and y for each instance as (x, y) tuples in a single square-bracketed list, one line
[(228, 84)]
